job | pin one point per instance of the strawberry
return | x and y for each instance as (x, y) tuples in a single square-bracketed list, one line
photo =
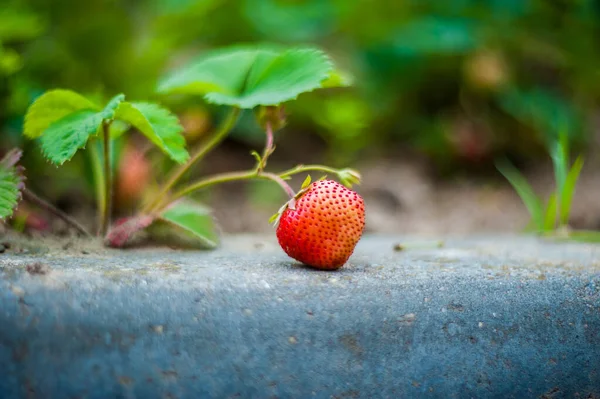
[(321, 227)]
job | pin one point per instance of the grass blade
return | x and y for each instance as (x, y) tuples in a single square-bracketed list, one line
[(551, 212), (559, 152), (524, 190), (566, 196)]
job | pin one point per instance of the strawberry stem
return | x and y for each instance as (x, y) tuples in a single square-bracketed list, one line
[(108, 192), (230, 177), (97, 171), (308, 168), (268, 147), (282, 183), (200, 153)]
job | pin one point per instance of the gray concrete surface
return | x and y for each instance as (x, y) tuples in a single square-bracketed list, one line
[(490, 317)]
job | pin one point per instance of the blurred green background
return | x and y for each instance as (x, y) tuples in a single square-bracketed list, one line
[(458, 82)]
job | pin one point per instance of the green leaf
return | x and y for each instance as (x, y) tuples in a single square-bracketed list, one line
[(51, 107), (569, 190), (11, 184), (193, 219), (9, 191), (551, 213), (159, 125), (559, 153), (531, 201), (250, 76), (63, 138), (108, 113)]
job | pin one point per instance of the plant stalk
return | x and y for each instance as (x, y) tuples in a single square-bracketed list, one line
[(249, 175), (307, 168), (218, 136), (30, 196), (268, 147), (277, 179), (233, 176), (108, 180), (97, 170)]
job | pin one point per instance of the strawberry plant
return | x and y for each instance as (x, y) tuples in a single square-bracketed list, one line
[(258, 78), (11, 183)]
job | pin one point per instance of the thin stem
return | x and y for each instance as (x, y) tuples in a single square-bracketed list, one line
[(48, 207), (282, 183), (233, 176), (98, 182), (108, 185), (218, 136), (268, 147), (307, 168), (269, 132), (211, 181)]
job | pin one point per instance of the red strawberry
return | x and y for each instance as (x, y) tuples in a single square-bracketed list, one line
[(323, 226)]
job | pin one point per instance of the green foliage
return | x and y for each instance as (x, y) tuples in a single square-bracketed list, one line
[(528, 196), (565, 178), (555, 214), (413, 60), (419, 65), (64, 121), (51, 107), (247, 77), (108, 113), (63, 138), (194, 221), (568, 190), (560, 161), (9, 191), (11, 184), (550, 214), (159, 125)]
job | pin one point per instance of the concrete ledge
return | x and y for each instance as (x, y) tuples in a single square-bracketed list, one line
[(509, 317)]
